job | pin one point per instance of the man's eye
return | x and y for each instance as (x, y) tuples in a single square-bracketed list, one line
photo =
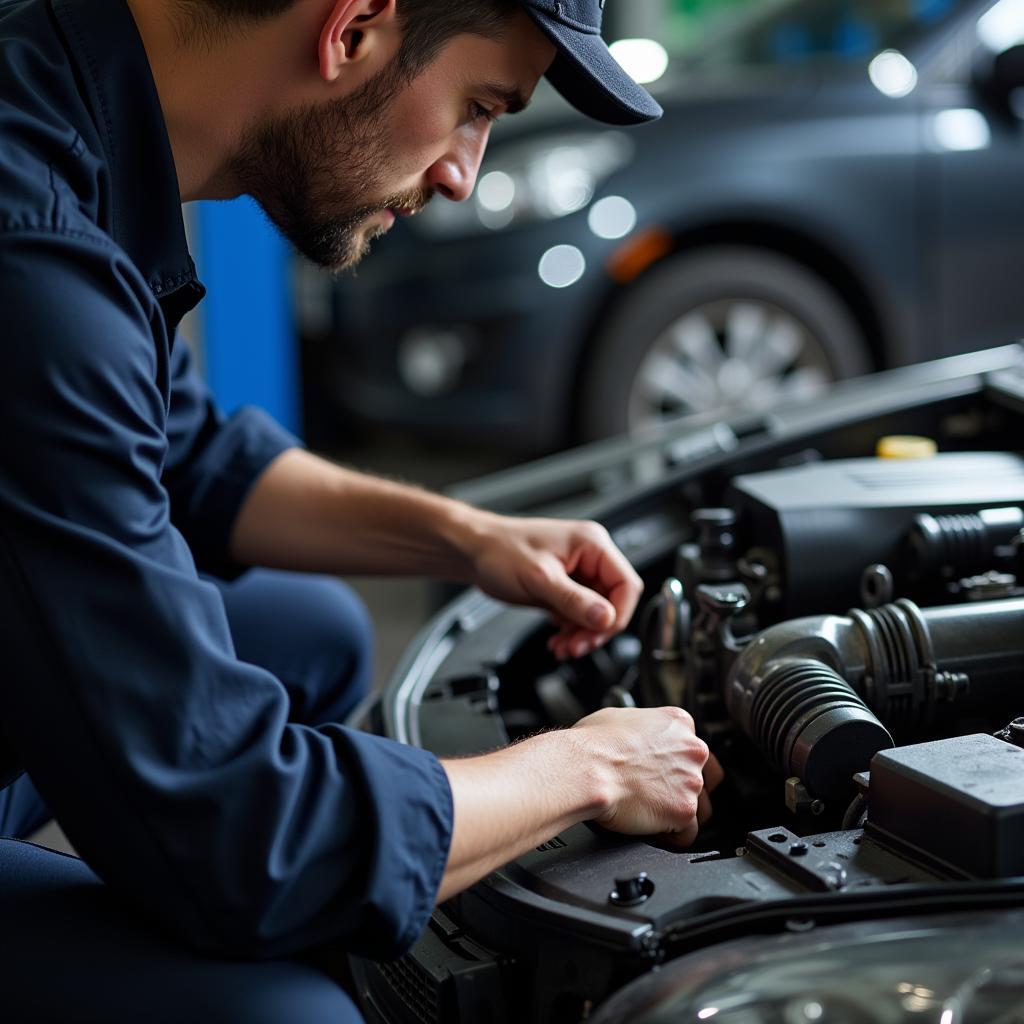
[(481, 113)]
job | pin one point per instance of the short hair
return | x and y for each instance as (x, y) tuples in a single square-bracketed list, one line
[(427, 25)]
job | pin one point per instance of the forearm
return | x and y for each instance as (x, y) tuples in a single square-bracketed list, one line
[(515, 799), (306, 514)]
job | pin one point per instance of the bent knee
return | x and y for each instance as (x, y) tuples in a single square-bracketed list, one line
[(283, 994), (312, 632), (334, 668)]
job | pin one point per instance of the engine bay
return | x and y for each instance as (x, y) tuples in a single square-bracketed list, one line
[(847, 632)]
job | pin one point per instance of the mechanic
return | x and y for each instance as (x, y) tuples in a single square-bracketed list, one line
[(178, 715)]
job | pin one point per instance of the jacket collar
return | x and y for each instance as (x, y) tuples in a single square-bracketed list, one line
[(142, 206)]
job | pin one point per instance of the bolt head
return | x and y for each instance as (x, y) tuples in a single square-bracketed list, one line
[(631, 891)]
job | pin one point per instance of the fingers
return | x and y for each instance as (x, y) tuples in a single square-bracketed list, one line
[(604, 567), (622, 586), (580, 607), (703, 807), (576, 643), (592, 591), (686, 836), (713, 774)]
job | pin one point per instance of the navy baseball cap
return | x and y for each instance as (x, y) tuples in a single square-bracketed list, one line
[(584, 71)]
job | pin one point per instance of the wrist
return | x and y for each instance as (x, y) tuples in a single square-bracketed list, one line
[(464, 532), (574, 768)]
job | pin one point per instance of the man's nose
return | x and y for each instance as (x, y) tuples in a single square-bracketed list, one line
[(454, 175)]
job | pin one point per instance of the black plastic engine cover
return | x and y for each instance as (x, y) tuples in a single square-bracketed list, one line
[(827, 521)]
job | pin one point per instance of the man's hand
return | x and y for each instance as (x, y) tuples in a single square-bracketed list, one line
[(660, 771), (571, 569)]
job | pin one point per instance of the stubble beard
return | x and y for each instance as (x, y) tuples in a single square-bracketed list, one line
[(318, 173)]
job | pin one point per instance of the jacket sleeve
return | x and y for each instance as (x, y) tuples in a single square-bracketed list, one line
[(170, 764), (212, 462)]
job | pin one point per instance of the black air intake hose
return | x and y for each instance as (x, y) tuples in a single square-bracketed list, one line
[(810, 723), (813, 693), (954, 546)]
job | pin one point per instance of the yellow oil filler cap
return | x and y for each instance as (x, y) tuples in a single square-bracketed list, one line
[(906, 446)]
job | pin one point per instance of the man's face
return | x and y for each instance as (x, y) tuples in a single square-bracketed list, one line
[(335, 176)]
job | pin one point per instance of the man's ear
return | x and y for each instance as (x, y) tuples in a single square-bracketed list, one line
[(351, 32)]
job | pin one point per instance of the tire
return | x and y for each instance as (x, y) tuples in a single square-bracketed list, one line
[(689, 300)]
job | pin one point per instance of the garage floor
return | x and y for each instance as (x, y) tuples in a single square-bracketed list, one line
[(399, 606)]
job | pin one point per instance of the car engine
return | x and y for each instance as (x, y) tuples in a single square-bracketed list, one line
[(847, 631)]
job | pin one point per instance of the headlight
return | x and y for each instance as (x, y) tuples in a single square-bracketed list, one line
[(541, 180)]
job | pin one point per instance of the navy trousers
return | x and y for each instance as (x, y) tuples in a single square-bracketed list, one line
[(72, 953)]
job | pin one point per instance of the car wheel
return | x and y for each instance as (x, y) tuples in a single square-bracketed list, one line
[(720, 330)]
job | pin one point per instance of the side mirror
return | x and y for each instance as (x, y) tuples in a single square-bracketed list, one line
[(999, 79)]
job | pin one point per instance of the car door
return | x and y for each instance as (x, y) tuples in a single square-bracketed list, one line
[(976, 242)]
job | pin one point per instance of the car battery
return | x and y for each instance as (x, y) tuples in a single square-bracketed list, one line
[(957, 804)]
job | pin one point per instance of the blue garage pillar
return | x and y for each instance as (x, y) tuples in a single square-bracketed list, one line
[(247, 337)]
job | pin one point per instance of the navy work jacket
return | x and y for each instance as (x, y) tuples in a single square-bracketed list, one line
[(170, 764)]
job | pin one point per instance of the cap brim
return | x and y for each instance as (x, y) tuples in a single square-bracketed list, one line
[(591, 79)]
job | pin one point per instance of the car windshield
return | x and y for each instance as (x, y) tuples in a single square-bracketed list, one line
[(806, 31)]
